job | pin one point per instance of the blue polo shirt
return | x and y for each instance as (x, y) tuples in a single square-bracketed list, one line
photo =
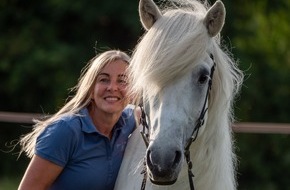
[(90, 160)]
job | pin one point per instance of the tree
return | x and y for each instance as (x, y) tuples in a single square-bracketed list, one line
[(44, 45), (259, 32)]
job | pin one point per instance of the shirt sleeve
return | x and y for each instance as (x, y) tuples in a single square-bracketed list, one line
[(56, 143)]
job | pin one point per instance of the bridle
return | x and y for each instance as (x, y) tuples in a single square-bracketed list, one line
[(199, 123)]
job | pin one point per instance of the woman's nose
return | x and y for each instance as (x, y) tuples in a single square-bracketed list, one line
[(113, 86)]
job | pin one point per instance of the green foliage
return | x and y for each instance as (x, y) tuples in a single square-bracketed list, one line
[(259, 32), (263, 161), (8, 183), (260, 35), (44, 45), (12, 168)]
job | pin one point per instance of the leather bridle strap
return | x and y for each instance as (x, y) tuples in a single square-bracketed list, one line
[(143, 121), (145, 137), (200, 122)]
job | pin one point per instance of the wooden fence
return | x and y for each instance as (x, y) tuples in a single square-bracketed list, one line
[(244, 127)]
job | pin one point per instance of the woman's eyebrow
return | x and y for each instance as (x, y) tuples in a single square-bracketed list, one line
[(105, 74)]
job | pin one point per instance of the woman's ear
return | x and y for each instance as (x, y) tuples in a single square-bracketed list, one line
[(91, 97)]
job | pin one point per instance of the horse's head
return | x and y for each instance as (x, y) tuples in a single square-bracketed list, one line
[(173, 66)]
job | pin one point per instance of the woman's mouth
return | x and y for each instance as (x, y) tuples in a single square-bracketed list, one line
[(112, 99)]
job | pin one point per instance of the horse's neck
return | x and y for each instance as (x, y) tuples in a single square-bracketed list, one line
[(129, 176)]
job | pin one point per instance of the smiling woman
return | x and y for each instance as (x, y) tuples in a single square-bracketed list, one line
[(82, 145)]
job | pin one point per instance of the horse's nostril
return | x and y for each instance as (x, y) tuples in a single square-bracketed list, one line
[(153, 160), (148, 159), (177, 158)]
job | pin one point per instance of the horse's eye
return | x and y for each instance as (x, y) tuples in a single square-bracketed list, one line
[(202, 79)]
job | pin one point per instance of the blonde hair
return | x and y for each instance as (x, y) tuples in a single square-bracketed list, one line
[(80, 100)]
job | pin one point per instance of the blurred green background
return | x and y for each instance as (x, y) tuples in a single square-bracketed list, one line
[(44, 45)]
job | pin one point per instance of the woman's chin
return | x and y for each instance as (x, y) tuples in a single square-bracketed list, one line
[(114, 108)]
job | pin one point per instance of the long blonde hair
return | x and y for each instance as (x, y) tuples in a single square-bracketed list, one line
[(80, 100)]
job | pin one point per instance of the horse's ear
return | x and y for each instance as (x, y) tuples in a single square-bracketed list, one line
[(149, 13), (215, 18)]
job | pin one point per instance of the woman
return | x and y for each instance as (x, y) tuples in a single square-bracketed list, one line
[(82, 145)]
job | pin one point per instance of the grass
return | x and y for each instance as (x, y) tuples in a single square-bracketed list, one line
[(8, 183)]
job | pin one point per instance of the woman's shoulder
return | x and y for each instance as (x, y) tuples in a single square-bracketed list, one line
[(67, 123), (133, 111), (129, 111), (128, 117)]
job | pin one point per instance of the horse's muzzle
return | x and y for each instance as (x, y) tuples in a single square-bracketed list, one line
[(163, 182)]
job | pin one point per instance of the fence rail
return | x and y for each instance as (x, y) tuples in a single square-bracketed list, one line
[(265, 128), (243, 127), (15, 117)]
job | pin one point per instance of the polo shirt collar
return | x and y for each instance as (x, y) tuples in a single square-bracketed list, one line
[(88, 125)]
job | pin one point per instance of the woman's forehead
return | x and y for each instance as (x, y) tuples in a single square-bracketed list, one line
[(117, 67)]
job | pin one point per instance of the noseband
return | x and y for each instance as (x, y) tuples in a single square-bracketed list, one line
[(199, 123)]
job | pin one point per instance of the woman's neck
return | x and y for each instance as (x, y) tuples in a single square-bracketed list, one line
[(104, 122)]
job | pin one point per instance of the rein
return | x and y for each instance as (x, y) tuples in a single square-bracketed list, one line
[(200, 121)]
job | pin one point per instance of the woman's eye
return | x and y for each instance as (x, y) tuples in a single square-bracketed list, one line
[(104, 80)]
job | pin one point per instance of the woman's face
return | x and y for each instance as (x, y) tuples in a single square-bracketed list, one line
[(110, 90)]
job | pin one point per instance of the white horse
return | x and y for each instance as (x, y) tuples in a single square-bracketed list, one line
[(173, 69)]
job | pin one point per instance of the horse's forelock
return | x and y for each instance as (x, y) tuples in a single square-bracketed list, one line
[(169, 49)]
